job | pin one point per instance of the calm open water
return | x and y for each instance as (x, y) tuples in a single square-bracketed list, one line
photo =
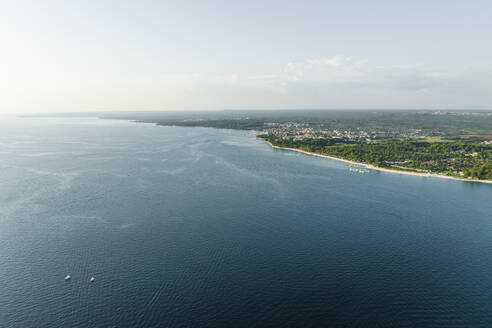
[(194, 227)]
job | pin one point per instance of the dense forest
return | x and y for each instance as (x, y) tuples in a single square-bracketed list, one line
[(460, 159), (244, 124)]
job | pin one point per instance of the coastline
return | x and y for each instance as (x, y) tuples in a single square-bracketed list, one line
[(368, 166), (372, 167)]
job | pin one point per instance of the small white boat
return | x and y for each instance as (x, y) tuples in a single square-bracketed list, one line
[(68, 277), (92, 279)]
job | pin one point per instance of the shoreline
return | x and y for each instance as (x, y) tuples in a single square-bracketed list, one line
[(372, 167), (368, 166)]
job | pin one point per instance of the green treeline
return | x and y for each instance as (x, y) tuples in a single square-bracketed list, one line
[(242, 124), (460, 159)]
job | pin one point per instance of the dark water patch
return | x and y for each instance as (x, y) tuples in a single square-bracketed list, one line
[(186, 227)]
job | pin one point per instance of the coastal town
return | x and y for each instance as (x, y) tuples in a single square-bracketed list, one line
[(299, 131)]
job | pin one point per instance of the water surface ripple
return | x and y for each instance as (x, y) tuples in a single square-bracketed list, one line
[(193, 227)]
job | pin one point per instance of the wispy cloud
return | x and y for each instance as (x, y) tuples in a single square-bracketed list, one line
[(333, 82), (328, 82)]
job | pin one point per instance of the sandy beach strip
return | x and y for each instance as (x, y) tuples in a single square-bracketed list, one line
[(372, 167)]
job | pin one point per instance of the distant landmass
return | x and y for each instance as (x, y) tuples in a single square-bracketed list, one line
[(453, 144), (456, 144)]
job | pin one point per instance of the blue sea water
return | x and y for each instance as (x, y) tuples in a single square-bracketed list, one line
[(195, 227)]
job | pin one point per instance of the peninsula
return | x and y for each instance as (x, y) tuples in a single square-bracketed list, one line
[(449, 144)]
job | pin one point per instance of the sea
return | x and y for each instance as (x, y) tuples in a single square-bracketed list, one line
[(200, 227)]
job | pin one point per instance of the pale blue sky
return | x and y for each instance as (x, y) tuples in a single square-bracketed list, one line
[(168, 55)]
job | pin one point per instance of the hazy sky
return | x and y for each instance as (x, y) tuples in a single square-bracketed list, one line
[(161, 55)]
